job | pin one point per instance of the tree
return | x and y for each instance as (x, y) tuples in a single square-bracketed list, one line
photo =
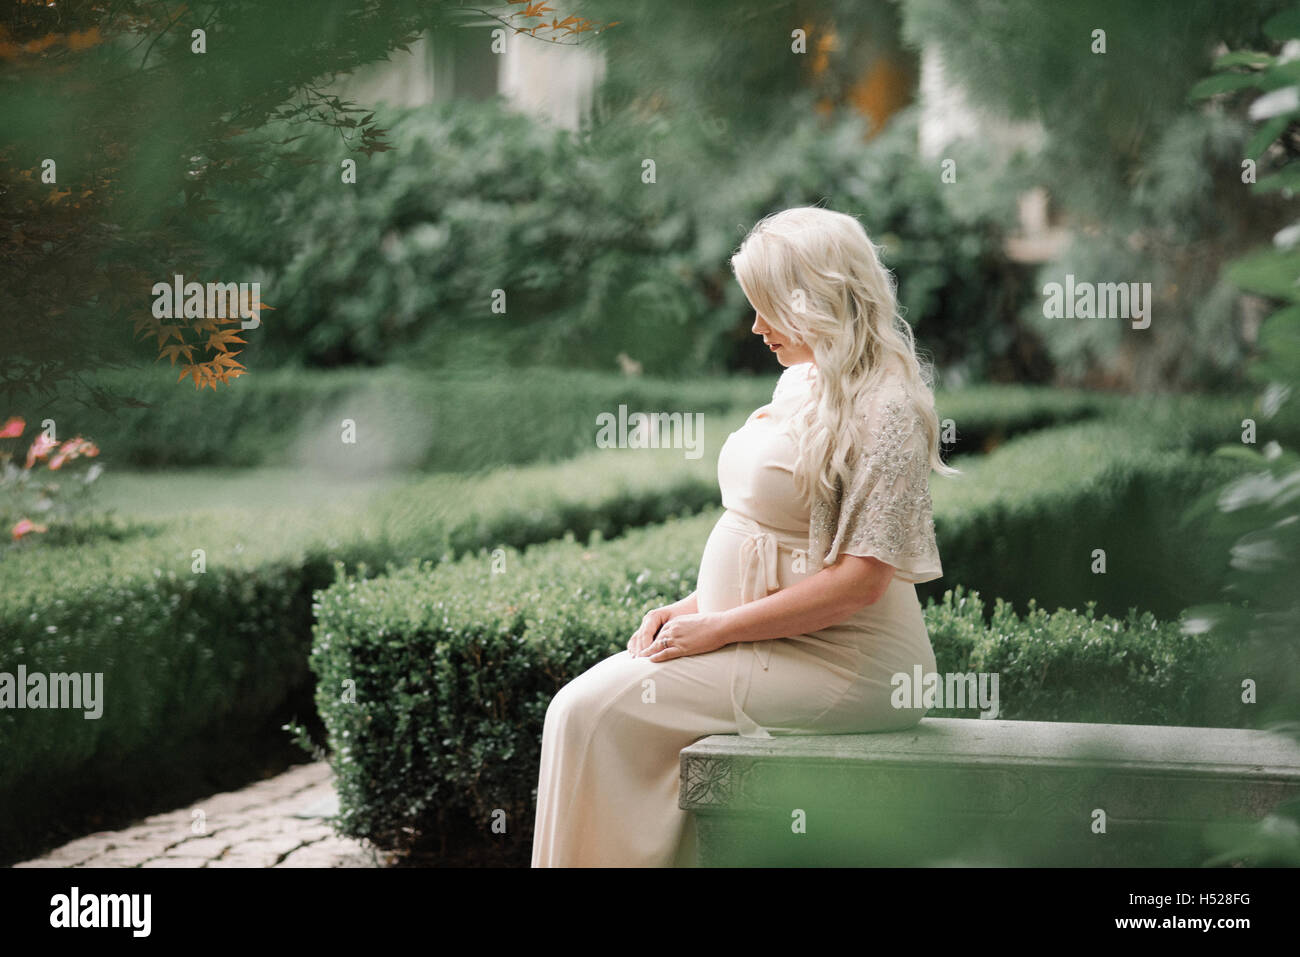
[(121, 116), (1146, 181)]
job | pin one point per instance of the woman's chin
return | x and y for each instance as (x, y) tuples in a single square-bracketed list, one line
[(788, 359)]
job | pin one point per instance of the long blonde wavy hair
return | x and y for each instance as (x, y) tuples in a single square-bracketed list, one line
[(816, 277)]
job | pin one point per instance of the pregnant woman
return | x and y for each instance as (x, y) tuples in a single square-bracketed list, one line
[(805, 607)]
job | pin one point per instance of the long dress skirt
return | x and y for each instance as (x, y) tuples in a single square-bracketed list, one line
[(608, 786)]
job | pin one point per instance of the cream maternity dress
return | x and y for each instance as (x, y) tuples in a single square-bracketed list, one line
[(608, 787)]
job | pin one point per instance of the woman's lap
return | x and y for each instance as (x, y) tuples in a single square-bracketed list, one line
[(809, 685)]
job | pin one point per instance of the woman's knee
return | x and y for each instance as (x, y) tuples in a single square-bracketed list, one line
[(591, 692)]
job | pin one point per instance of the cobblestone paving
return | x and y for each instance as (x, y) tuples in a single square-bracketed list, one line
[(279, 822)]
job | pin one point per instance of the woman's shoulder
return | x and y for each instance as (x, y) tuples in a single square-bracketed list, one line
[(891, 386), (893, 404)]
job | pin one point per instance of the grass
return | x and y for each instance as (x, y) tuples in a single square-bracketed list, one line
[(171, 492)]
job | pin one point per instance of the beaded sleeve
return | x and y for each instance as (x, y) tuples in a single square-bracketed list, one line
[(886, 512)]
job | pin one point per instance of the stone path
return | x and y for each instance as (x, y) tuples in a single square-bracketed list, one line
[(279, 822)]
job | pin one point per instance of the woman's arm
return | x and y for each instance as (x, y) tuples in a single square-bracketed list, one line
[(819, 601), (685, 606)]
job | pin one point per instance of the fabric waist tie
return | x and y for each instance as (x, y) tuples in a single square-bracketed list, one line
[(759, 576)]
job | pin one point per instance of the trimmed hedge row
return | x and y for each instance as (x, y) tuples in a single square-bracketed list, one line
[(433, 681), (464, 421), (451, 421), (192, 661), (134, 610), (1077, 666), (1034, 520)]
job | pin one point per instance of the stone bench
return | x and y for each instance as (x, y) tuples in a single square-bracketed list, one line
[(984, 792)]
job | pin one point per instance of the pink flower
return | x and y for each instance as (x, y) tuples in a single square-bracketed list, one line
[(26, 526), (71, 449), (42, 447), (12, 428)]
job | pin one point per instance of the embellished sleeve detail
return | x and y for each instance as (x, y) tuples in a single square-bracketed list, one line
[(886, 512)]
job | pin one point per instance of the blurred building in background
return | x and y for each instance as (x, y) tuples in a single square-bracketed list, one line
[(557, 82), (947, 117), (548, 80)]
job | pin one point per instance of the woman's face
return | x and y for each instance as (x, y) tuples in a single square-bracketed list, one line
[(787, 353)]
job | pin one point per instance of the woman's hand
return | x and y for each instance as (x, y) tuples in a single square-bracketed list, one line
[(656, 619), (687, 634)]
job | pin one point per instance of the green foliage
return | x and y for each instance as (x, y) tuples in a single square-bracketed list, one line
[(193, 661), (409, 418), (1253, 518), (1183, 222), (954, 285), (1026, 522), (193, 667), (985, 416), (1031, 61), (1149, 186), (720, 66), (1077, 666), (79, 255), (593, 261), (453, 671)]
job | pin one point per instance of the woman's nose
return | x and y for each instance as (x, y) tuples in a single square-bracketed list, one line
[(760, 327)]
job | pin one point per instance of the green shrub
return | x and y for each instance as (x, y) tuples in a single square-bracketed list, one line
[(476, 198), (465, 420), (985, 416), (405, 418), (453, 669), (433, 682), (1026, 521), (1076, 666)]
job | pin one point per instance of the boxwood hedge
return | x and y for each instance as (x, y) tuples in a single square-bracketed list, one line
[(411, 418), (196, 662), (406, 418), (1036, 519)]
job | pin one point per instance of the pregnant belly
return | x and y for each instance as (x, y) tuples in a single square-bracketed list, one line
[(740, 552), (891, 631)]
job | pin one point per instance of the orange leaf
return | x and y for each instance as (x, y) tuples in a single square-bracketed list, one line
[(221, 340), (168, 332), (225, 359), (190, 370), (172, 352)]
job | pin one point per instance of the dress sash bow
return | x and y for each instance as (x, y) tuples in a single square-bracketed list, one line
[(759, 576)]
